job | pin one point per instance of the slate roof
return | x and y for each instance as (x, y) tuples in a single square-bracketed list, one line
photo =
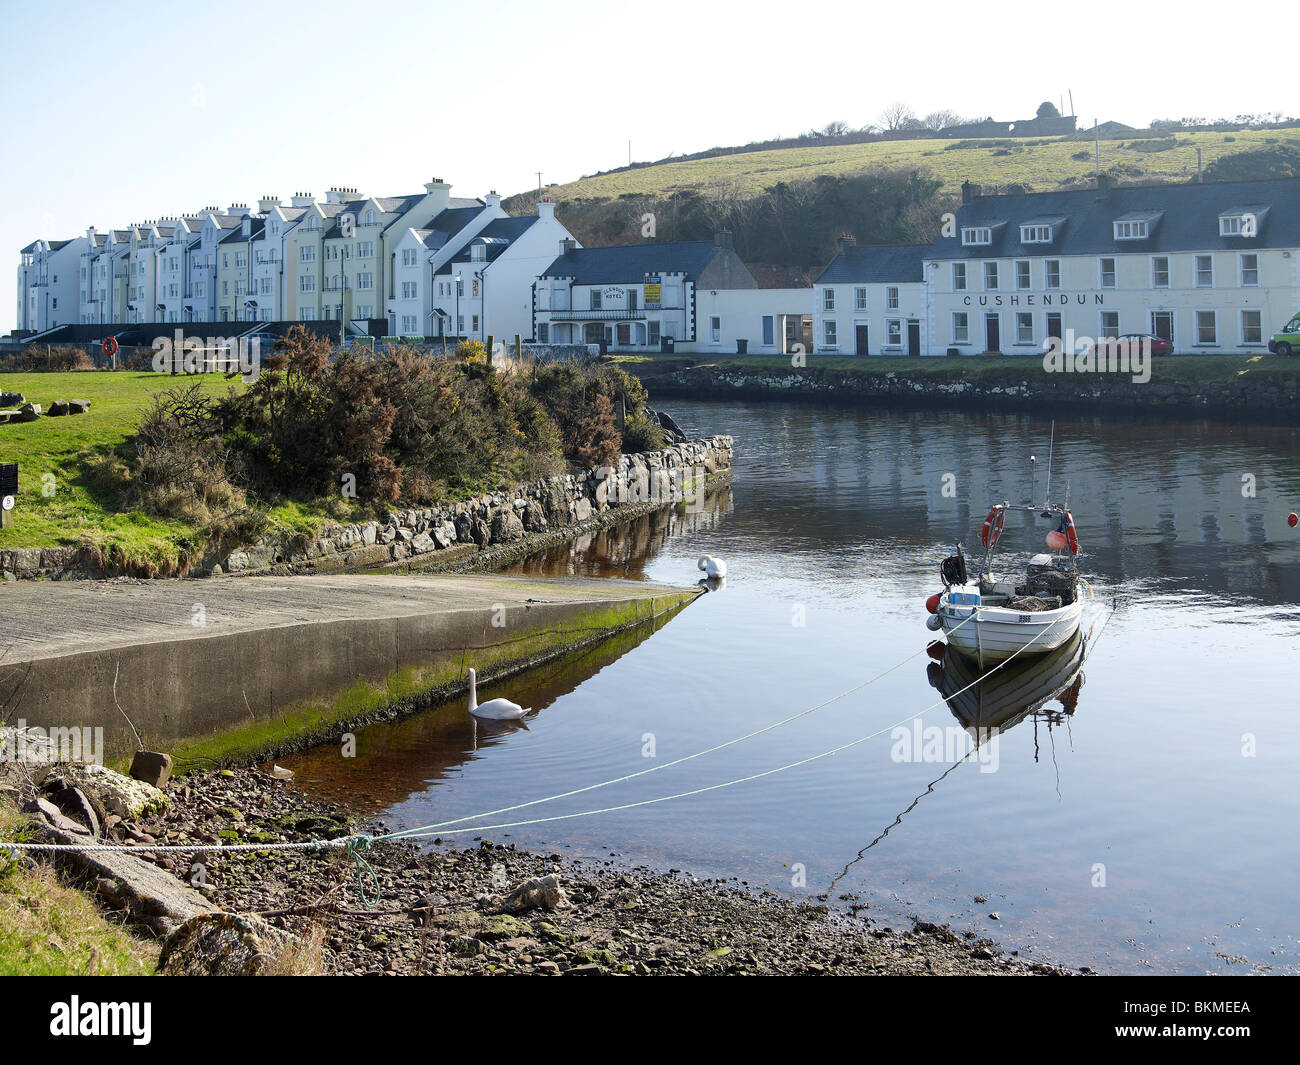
[(629, 264), (237, 236), (1184, 218), (446, 224), (876, 263), (497, 235)]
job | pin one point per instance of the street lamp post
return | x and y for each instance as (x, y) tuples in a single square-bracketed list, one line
[(458, 330)]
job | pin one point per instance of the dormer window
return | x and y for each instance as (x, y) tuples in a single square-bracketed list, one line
[(478, 253), (976, 236), (1035, 234), (1238, 225), (1132, 229)]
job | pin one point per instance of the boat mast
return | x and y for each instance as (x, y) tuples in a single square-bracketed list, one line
[(1051, 445)]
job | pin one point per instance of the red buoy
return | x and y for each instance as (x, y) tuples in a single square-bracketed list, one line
[(932, 604), (1292, 519)]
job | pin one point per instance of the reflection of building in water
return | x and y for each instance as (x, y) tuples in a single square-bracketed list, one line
[(624, 550), (1150, 499)]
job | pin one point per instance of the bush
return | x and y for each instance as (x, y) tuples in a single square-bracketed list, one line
[(36, 358)]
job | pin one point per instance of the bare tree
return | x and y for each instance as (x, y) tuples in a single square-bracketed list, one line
[(896, 116), (937, 120), (835, 129)]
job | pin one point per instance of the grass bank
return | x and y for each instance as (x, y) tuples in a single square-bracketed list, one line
[(50, 929)]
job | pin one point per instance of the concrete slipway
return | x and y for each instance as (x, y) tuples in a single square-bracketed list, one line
[(234, 667)]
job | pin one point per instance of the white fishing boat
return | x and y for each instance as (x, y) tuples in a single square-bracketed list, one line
[(996, 616)]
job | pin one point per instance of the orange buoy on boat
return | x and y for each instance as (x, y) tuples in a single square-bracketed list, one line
[(1056, 540), (1293, 519), (932, 604)]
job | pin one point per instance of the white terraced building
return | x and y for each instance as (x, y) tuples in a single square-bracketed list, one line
[(1211, 267)]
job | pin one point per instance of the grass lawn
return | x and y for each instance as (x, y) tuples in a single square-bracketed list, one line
[(60, 504), (50, 929), (1041, 166)]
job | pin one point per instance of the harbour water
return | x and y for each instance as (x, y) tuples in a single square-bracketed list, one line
[(1141, 819)]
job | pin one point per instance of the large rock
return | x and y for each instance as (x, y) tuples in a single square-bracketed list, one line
[(506, 526), (12, 399), (58, 408), (534, 516), (151, 767), (222, 944), (78, 406), (28, 412), (129, 799), (421, 543), (541, 892)]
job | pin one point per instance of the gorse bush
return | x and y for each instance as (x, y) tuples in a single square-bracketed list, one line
[(36, 358), (394, 425)]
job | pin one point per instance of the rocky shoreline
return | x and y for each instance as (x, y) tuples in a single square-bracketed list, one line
[(451, 911)]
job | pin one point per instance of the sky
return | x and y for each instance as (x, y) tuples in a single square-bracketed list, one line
[(116, 114)]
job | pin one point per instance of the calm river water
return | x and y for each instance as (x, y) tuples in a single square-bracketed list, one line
[(1142, 820)]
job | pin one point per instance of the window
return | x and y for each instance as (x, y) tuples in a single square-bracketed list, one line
[(307, 254), (990, 275), (365, 249), (1131, 230), (891, 298), (1160, 271), (976, 235), (1024, 327), (652, 329), (1035, 234), (894, 333), (408, 323), (715, 329), (1110, 324), (460, 324), (960, 327), (306, 283), (1051, 273), (365, 282), (473, 288), (1022, 273), (369, 219), (543, 332), (408, 290), (1250, 270), (828, 334), (1238, 225), (1252, 331), (241, 259), (1205, 271), (595, 299), (859, 300), (306, 314), (475, 324), (1207, 330), (828, 299), (225, 262), (959, 277), (1107, 267), (408, 256)]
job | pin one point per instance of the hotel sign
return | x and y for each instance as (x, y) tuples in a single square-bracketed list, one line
[(1030, 299), (652, 291)]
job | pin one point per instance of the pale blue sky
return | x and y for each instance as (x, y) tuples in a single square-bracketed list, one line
[(114, 114)]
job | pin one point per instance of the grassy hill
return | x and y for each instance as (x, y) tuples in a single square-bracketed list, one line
[(1037, 164), (806, 189)]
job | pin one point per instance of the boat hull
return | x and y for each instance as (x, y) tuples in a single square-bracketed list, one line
[(998, 633)]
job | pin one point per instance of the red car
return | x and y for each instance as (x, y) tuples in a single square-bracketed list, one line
[(1157, 345)]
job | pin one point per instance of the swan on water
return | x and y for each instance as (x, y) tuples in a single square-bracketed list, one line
[(713, 567), (493, 709)]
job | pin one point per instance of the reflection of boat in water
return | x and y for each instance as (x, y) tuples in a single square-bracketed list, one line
[(1006, 695)]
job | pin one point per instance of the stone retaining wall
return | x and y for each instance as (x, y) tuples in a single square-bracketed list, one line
[(452, 535), (1259, 398)]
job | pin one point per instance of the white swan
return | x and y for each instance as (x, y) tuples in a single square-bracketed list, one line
[(494, 709), (713, 567)]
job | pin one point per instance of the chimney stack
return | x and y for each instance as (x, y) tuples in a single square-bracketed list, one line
[(847, 240), (545, 209), (969, 191), (492, 199), (723, 240), (568, 246)]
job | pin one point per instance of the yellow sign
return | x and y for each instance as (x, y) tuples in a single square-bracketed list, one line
[(653, 293)]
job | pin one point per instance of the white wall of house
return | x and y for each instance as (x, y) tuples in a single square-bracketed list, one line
[(617, 314), (505, 304), (1220, 300), (49, 285), (842, 312), (768, 320)]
